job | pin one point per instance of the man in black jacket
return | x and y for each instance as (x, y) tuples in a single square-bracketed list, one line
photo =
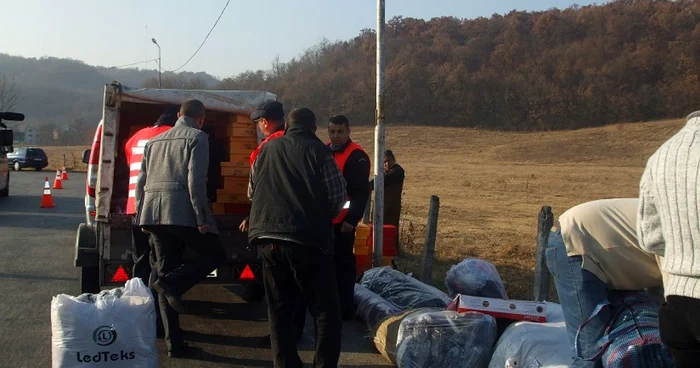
[(354, 164), (394, 176), (296, 190)]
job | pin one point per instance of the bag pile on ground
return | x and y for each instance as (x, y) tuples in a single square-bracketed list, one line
[(402, 290), (532, 344), (475, 277), (371, 307), (445, 339), (115, 328), (632, 338)]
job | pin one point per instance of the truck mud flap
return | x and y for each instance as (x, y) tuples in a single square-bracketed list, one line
[(86, 254)]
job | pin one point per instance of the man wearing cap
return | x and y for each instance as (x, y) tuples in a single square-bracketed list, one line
[(269, 117), (353, 163), (296, 190)]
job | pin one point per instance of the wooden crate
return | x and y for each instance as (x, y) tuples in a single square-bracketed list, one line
[(231, 198), (227, 171), (242, 145), (241, 130), (237, 160), (235, 184)]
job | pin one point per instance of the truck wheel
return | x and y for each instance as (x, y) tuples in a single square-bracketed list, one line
[(89, 280), (6, 192), (253, 292)]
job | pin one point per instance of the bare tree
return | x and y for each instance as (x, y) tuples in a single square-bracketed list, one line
[(8, 93)]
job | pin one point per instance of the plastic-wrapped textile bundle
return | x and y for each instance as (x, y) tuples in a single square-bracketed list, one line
[(533, 345), (371, 307), (115, 328), (445, 339), (475, 277), (402, 290)]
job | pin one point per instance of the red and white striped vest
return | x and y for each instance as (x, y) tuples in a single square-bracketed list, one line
[(133, 151)]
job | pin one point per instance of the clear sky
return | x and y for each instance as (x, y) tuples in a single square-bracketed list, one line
[(249, 35)]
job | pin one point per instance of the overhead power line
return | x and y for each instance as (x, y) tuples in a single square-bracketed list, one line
[(104, 68), (205, 38)]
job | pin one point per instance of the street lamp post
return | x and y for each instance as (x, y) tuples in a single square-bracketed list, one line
[(159, 68)]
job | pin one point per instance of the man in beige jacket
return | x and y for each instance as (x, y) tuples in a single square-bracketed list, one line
[(594, 249)]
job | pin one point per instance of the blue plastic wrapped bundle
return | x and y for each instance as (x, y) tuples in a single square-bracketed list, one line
[(475, 277), (402, 290), (371, 307), (447, 339)]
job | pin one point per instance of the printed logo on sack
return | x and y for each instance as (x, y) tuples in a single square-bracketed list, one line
[(104, 335)]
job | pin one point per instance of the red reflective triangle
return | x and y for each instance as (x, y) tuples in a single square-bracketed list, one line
[(120, 275), (247, 274)]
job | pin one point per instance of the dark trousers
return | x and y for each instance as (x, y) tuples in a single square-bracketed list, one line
[(144, 261), (291, 271), (345, 271), (679, 324), (169, 243)]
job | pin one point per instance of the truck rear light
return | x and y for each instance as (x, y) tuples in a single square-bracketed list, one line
[(118, 274), (247, 274)]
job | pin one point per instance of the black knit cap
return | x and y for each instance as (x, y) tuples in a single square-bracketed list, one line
[(270, 110), (169, 116)]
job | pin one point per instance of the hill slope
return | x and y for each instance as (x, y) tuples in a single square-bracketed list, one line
[(59, 91)]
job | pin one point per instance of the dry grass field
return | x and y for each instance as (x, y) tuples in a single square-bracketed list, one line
[(492, 185), (73, 156)]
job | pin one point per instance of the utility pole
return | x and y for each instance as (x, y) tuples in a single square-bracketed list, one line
[(159, 68), (378, 223)]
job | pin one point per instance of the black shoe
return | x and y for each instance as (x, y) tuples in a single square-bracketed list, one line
[(173, 299), (185, 350)]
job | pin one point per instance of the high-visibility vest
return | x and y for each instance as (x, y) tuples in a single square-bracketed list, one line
[(270, 137), (133, 152), (341, 158)]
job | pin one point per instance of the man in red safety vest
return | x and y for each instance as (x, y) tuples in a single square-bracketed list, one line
[(133, 152), (353, 162)]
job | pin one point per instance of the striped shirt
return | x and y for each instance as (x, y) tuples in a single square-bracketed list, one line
[(133, 152), (669, 209)]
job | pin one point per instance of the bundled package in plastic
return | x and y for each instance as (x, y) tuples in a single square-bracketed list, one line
[(475, 277), (371, 307), (533, 345), (446, 339), (402, 290), (115, 328)]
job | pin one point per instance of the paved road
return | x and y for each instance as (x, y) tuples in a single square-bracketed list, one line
[(36, 263)]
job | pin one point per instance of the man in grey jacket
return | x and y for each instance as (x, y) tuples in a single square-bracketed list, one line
[(172, 207)]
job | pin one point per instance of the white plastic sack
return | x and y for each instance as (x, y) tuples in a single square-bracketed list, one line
[(534, 345), (115, 328)]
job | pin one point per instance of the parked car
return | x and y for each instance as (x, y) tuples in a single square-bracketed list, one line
[(23, 157)]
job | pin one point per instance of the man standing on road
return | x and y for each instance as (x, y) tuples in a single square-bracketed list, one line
[(296, 190), (669, 227), (172, 207), (354, 165), (269, 117)]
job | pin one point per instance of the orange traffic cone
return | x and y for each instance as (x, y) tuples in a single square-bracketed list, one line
[(57, 182), (64, 174), (47, 199)]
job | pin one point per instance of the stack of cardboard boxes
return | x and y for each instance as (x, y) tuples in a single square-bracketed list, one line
[(242, 139)]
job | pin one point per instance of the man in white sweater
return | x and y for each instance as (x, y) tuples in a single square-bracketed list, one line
[(669, 226)]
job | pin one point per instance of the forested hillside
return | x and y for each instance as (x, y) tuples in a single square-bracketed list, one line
[(630, 60)]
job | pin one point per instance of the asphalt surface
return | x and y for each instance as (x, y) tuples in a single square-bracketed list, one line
[(36, 263)]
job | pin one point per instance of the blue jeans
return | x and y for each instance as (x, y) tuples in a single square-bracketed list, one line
[(580, 291)]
